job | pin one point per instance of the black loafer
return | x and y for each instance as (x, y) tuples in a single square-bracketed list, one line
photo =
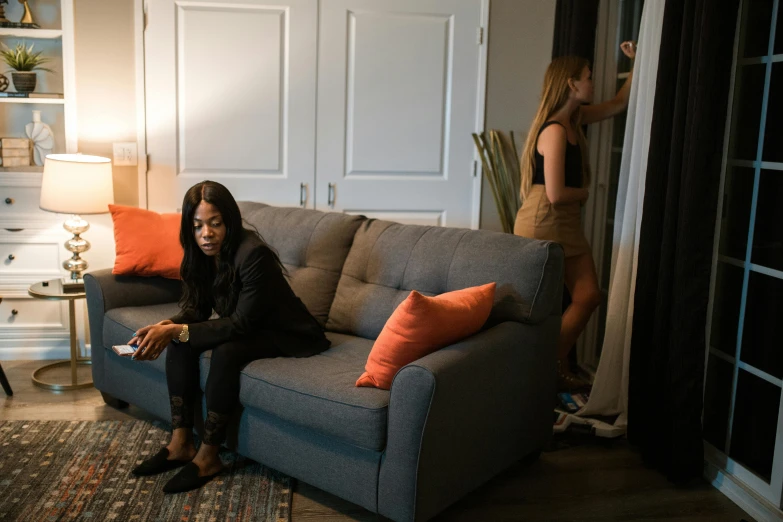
[(187, 479), (157, 464)]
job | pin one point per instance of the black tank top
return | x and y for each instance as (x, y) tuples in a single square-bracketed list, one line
[(573, 162)]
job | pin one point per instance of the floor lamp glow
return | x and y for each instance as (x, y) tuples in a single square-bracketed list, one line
[(76, 184)]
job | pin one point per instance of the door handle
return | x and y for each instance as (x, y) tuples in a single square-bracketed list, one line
[(9, 201), (330, 196), (11, 257), (302, 194)]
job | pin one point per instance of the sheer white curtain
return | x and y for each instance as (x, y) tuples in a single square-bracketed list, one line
[(610, 389)]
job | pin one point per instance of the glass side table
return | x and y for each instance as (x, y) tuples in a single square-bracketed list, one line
[(53, 290)]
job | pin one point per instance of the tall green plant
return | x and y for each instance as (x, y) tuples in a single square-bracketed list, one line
[(500, 164), (23, 59)]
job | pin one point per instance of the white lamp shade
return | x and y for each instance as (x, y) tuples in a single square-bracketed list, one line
[(76, 184)]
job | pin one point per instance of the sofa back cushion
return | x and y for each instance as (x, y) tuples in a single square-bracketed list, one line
[(312, 245), (388, 260)]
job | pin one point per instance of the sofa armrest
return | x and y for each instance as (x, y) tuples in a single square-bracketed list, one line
[(116, 291), (106, 291), (462, 414)]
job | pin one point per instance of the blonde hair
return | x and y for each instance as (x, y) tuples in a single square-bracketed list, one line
[(553, 97)]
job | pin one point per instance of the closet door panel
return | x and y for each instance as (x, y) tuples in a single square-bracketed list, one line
[(230, 90), (398, 98)]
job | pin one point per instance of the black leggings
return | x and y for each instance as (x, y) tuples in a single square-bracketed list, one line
[(222, 390)]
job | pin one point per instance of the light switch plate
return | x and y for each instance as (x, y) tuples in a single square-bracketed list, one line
[(125, 154)]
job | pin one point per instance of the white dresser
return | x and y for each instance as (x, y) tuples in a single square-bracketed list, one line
[(31, 250)]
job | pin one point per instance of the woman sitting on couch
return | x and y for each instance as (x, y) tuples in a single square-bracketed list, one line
[(230, 271)]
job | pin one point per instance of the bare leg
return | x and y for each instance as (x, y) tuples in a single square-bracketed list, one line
[(207, 460), (181, 446), (582, 283)]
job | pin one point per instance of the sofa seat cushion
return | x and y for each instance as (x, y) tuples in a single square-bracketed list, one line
[(318, 392), (119, 324)]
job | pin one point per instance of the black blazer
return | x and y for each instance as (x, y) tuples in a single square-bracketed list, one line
[(267, 308)]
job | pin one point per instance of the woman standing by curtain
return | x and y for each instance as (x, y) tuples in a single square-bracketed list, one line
[(555, 172)]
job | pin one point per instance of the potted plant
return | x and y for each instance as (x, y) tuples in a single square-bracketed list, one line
[(24, 62)]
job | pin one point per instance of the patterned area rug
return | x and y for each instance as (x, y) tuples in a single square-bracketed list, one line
[(80, 470)]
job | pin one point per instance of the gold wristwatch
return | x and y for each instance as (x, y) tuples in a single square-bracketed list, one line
[(184, 334)]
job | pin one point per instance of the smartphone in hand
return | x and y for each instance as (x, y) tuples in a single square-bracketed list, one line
[(124, 349)]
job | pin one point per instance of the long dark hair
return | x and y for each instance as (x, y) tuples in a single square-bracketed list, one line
[(205, 282), (553, 97)]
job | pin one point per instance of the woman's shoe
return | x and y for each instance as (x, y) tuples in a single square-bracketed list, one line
[(158, 463), (187, 479)]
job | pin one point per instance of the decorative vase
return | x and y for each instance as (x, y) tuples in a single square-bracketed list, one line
[(24, 81), (4, 83), (27, 17), (42, 137)]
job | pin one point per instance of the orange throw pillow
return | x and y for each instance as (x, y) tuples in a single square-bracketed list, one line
[(422, 325), (146, 243)]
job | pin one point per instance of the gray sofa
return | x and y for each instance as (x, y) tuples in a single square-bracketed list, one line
[(451, 421)]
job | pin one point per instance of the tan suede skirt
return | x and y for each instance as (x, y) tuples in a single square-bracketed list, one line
[(540, 219)]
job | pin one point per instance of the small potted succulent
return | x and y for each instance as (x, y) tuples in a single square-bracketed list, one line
[(24, 63)]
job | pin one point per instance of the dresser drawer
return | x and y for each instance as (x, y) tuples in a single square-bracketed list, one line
[(20, 200), (22, 311), (18, 258)]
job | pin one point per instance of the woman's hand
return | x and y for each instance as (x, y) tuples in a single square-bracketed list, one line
[(139, 335), (629, 49), (153, 339), (601, 111)]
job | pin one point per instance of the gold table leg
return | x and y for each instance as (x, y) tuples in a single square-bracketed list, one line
[(73, 362)]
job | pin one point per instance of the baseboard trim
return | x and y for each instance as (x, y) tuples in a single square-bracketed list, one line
[(756, 506), (54, 351)]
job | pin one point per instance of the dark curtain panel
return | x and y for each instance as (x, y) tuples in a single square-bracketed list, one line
[(676, 238), (575, 23)]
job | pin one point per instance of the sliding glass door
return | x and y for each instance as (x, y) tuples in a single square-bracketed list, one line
[(743, 411)]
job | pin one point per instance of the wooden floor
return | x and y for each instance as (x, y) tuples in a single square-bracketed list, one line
[(576, 479)]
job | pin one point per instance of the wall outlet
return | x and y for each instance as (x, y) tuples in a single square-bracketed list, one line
[(125, 154)]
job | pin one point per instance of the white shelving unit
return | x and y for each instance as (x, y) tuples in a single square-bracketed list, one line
[(44, 101), (12, 32), (31, 239)]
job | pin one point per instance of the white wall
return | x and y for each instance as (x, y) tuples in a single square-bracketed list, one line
[(106, 79), (106, 112), (106, 103), (520, 48)]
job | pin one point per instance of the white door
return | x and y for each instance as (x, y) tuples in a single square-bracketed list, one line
[(230, 96), (400, 90)]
